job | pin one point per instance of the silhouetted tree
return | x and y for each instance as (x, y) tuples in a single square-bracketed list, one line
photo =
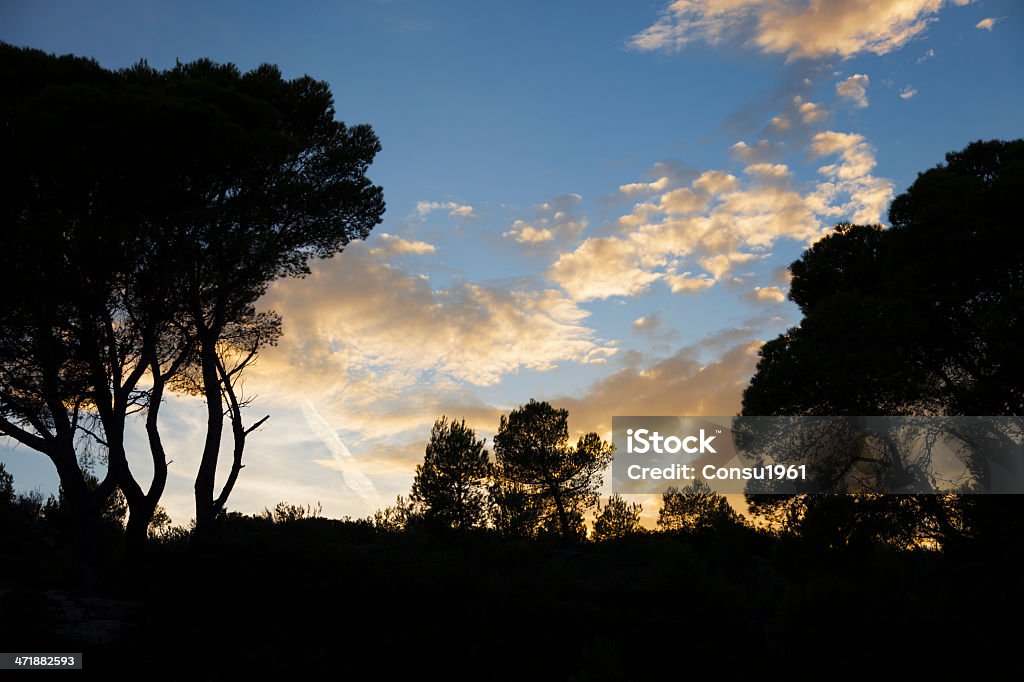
[(151, 209), (617, 519), (57, 235), (514, 511), (694, 507), (396, 518), (532, 452), (274, 181), (450, 487), (6, 487), (286, 513), (912, 320)]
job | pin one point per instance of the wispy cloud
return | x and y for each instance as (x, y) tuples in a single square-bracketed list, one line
[(385, 244), (854, 89), (987, 24), (644, 187), (343, 460), (454, 209), (555, 220), (524, 233)]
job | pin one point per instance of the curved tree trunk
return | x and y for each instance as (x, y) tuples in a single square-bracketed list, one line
[(206, 477)]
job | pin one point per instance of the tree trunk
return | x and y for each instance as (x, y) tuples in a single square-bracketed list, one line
[(141, 513), (556, 495), (85, 512), (205, 478)]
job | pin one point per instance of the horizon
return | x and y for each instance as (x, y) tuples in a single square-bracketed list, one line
[(599, 215)]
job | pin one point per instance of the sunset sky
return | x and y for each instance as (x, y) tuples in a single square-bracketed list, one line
[(590, 203)]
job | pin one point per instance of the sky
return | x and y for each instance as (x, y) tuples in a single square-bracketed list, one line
[(592, 203)]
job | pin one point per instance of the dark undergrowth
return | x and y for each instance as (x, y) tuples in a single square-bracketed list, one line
[(318, 596)]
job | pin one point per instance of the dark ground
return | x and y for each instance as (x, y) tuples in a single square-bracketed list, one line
[(322, 597)]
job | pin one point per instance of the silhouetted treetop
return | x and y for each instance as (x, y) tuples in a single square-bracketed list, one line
[(450, 488), (535, 460), (915, 319)]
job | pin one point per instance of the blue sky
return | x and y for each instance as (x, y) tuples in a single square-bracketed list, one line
[(591, 203)]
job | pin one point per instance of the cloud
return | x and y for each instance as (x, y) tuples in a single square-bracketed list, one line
[(810, 112), (769, 294), (689, 238), (376, 331), (686, 383), (648, 323), (715, 223), (686, 282), (812, 29), (555, 219), (768, 170), (603, 267), (721, 264), (854, 89), (454, 210), (908, 92), (385, 244), (682, 201), (643, 187), (762, 150), (528, 234), (715, 182), (706, 378), (653, 327), (782, 276), (341, 457), (866, 197), (987, 24), (561, 203), (929, 54)]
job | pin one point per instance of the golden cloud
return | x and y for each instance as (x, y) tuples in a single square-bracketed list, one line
[(813, 29)]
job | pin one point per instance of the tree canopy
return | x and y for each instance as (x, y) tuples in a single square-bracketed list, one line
[(617, 519), (151, 209), (915, 319), (534, 458), (450, 487), (694, 507)]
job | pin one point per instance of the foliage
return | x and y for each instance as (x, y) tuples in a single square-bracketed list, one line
[(515, 513), (286, 513), (450, 488), (162, 528), (940, 288), (694, 507), (6, 486), (916, 319), (151, 209), (617, 519), (533, 455), (396, 518)]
